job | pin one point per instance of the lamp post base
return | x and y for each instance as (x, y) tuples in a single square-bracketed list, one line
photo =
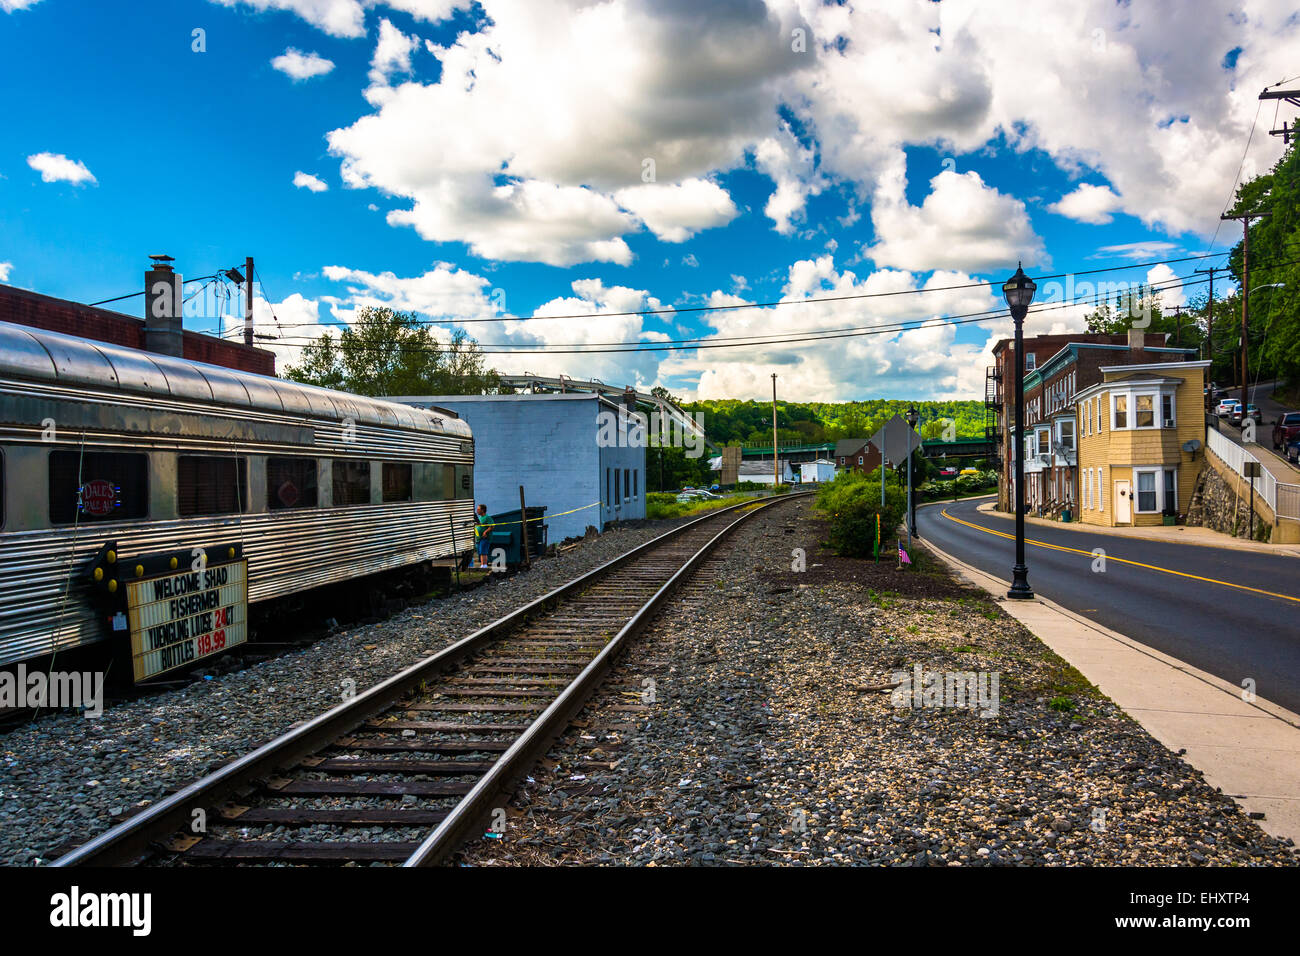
[(1020, 589)]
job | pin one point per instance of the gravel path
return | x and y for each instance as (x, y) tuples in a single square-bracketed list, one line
[(63, 777), (770, 741)]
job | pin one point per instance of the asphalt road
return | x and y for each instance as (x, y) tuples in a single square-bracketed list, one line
[(1205, 614)]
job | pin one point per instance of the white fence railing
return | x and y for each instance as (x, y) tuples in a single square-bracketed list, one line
[(1283, 498)]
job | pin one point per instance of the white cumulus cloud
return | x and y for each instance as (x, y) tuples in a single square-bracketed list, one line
[(301, 66), (5, 269), (675, 212), (962, 224), (393, 52), (57, 168), (308, 181), (1088, 203)]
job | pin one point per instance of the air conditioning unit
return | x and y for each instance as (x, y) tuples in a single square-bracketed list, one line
[(1169, 423)]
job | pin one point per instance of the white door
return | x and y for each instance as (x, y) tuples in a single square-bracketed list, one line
[(1123, 503)]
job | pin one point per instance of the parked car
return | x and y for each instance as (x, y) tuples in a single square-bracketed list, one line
[(1224, 408), (948, 472), (1285, 429), (1293, 451), (1238, 417), (715, 487), (970, 471)]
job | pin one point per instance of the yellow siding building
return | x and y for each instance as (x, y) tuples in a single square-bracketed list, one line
[(1134, 427)]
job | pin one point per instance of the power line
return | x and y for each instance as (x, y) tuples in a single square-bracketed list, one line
[(811, 337), (814, 337), (1240, 166), (812, 300), (132, 295)]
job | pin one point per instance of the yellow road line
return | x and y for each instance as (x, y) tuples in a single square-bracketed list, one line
[(1110, 557)]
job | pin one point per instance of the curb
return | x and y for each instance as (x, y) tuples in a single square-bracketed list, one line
[(1219, 770)]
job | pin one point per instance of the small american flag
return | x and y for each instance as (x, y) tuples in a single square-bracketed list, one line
[(902, 555)]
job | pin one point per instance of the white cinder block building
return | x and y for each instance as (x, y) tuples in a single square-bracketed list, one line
[(571, 452)]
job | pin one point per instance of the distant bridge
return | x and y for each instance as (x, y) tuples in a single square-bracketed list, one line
[(958, 448)]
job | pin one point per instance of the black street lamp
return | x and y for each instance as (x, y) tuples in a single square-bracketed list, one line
[(911, 417), (1019, 292)]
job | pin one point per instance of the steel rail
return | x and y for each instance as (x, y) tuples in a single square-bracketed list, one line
[(468, 814), (125, 843)]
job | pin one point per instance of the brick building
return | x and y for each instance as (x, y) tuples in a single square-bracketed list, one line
[(856, 454), (1057, 368), (103, 325)]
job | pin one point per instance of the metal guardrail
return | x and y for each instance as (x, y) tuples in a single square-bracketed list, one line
[(1281, 497)]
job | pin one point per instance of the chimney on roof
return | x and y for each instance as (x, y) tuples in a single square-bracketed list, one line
[(629, 398), (1136, 340), (162, 308)]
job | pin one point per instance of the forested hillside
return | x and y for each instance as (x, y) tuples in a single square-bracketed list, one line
[(729, 421)]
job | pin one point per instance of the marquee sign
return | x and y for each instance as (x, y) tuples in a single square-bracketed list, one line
[(179, 607)]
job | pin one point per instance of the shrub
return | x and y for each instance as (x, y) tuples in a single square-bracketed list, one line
[(852, 502)]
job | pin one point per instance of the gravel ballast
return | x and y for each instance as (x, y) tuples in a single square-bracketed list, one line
[(64, 777), (754, 723)]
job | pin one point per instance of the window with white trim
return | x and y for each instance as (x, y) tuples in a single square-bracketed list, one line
[(1101, 490), (1120, 419), (1145, 404), (1087, 488), (1147, 498), (1065, 432), (1167, 417)]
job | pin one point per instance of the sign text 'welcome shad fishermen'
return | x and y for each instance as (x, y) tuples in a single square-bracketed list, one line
[(178, 618)]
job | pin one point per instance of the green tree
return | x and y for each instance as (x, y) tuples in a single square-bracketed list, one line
[(1274, 314), (852, 507), (393, 353)]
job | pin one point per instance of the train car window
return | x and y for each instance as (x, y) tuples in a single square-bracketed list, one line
[(290, 483), (464, 481), (210, 485), (114, 486), (351, 483), (397, 481)]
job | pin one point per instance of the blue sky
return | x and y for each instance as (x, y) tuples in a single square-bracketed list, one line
[(488, 162)]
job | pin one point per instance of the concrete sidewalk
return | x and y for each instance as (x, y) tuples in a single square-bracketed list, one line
[(1251, 750), (1174, 534)]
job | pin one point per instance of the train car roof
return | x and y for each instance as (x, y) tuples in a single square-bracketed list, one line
[(42, 355)]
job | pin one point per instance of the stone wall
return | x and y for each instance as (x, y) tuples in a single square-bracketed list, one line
[(1219, 506)]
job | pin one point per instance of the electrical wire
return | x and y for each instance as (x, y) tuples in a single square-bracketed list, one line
[(817, 334), (132, 295), (770, 339), (1232, 192), (812, 300)]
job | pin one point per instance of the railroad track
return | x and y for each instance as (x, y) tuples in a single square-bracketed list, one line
[(406, 771)]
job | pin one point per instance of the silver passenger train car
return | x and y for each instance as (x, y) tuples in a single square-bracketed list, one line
[(102, 443)]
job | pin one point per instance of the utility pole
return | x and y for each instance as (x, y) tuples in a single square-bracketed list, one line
[(1245, 296), (248, 300), (1292, 97), (1209, 315), (776, 467), (1178, 325)]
